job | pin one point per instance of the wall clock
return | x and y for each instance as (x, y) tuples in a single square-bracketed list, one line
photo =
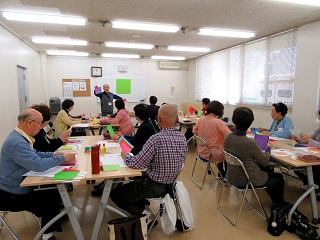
[(96, 71)]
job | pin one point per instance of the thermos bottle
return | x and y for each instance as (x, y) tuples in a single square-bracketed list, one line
[(95, 159)]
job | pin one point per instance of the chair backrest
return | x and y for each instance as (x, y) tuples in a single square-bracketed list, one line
[(234, 161), (201, 142)]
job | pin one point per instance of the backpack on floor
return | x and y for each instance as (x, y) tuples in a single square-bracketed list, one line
[(301, 226)]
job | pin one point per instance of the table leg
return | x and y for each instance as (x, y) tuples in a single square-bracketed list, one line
[(67, 210), (100, 130), (311, 191), (92, 131), (103, 206)]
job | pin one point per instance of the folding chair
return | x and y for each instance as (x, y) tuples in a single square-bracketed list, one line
[(3, 222), (171, 191), (234, 161), (202, 142)]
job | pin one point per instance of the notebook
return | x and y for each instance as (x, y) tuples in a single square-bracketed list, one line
[(262, 141)]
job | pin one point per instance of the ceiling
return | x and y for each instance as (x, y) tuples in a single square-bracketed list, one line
[(264, 17)]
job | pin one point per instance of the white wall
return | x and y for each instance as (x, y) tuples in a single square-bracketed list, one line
[(159, 81), (15, 52)]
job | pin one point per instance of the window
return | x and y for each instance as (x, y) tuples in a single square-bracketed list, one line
[(256, 73)]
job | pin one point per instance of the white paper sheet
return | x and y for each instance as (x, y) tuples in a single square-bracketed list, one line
[(109, 144), (49, 173), (84, 125), (111, 159), (281, 152)]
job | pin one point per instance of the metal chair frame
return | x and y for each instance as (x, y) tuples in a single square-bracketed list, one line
[(3, 222), (234, 161), (201, 141)]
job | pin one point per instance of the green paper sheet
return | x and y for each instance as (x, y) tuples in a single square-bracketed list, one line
[(199, 113), (114, 167), (65, 176), (66, 147), (110, 130)]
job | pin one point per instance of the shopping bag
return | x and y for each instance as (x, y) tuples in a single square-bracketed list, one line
[(133, 227)]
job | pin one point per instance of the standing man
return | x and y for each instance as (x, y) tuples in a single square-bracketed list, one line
[(17, 158), (106, 99), (163, 156)]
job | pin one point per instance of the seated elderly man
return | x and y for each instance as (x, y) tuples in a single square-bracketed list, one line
[(17, 158), (162, 156)]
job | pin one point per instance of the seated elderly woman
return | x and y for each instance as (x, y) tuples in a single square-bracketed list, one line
[(281, 124), (122, 118), (254, 160)]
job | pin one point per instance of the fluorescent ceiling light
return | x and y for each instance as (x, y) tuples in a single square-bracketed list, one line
[(145, 26), (225, 33), (115, 55), (188, 49), (42, 18), (167, 58), (306, 2), (67, 53), (128, 45), (59, 41)]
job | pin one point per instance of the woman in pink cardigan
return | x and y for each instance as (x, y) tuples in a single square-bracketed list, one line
[(212, 129), (122, 118)]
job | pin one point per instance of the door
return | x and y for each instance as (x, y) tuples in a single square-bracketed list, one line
[(23, 88)]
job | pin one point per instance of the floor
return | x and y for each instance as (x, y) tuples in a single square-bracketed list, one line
[(209, 222)]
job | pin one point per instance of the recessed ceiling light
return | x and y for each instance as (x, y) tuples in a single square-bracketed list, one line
[(129, 45), (67, 53), (188, 49), (59, 41), (145, 26), (167, 58), (44, 18), (225, 33), (306, 2), (115, 55)]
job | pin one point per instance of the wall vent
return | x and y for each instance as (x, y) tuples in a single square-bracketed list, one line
[(169, 65)]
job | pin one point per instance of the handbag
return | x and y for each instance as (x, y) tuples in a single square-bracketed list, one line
[(133, 227), (279, 219)]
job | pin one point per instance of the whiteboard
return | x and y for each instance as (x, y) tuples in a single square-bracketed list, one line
[(138, 90)]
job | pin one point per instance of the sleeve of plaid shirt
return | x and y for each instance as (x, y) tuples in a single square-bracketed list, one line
[(163, 155)]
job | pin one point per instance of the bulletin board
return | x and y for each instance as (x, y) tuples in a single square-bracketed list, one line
[(76, 88), (133, 89)]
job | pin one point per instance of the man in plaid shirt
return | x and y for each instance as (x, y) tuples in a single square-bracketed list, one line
[(162, 156)]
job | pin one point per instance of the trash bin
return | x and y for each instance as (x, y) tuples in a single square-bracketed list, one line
[(55, 105)]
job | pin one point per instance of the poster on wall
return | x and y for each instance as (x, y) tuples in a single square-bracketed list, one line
[(67, 90), (132, 89)]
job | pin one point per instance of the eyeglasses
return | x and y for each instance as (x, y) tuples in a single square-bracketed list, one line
[(40, 123)]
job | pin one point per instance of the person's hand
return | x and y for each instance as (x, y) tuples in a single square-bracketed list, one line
[(265, 133), (261, 129), (70, 157), (114, 137), (58, 153), (270, 144), (64, 136), (123, 154), (108, 116), (294, 137), (118, 133), (305, 137)]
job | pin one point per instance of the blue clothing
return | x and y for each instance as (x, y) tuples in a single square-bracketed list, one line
[(283, 128), (18, 158)]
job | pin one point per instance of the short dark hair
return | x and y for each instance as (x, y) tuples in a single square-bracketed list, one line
[(281, 108), (67, 104), (242, 118), (206, 101), (153, 99), (142, 111), (119, 103), (216, 108), (44, 110)]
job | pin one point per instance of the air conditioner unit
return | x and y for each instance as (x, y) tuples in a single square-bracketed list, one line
[(169, 65)]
